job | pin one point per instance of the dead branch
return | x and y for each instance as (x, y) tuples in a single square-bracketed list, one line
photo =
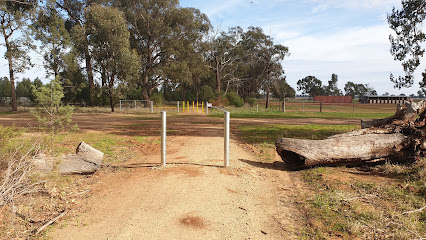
[(414, 211), (50, 222)]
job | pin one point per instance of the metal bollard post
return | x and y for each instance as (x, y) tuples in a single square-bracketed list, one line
[(187, 107), (183, 106), (163, 138), (226, 139), (177, 106), (207, 107), (152, 106), (193, 106), (202, 107)]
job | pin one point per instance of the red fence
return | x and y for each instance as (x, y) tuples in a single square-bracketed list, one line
[(333, 99)]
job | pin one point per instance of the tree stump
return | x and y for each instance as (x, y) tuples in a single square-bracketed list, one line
[(87, 160)]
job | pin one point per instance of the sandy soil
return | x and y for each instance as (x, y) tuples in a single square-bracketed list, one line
[(194, 197)]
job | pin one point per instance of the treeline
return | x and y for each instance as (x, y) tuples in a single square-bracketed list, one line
[(102, 51), (313, 87)]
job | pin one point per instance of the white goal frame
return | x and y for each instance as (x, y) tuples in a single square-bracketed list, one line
[(148, 102)]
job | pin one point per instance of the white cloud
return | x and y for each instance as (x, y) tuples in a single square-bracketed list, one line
[(322, 5), (356, 54)]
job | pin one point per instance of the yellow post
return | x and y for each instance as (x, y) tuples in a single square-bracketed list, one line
[(187, 108), (202, 107), (183, 106), (197, 106), (193, 106)]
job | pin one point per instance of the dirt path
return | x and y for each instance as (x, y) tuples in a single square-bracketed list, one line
[(192, 198)]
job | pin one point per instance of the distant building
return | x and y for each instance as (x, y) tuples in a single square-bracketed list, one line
[(384, 99), (333, 99)]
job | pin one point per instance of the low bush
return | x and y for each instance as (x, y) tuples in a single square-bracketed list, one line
[(157, 98), (252, 101), (234, 99)]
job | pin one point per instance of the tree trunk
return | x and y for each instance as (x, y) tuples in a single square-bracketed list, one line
[(218, 80), (12, 76), (89, 70), (398, 138), (145, 87)]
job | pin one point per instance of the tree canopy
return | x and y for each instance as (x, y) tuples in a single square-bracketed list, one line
[(407, 40)]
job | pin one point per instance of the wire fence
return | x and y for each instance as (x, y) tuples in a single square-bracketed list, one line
[(309, 106)]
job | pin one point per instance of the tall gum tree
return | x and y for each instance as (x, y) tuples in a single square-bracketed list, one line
[(108, 35), (49, 29), (76, 23), (222, 54), (14, 19), (159, 30)]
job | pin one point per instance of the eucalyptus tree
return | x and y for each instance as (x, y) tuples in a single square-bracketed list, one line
[(186, 65), (407, 45), (331, 89), (281, 89), (76, 24), (261, 62), (14, 20), (222, 54), (108, 35), (160, 31), (49, 29), (357, 89), (310, 85)]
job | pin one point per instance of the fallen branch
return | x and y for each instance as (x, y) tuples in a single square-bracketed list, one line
[(417, 210), (53, 220)]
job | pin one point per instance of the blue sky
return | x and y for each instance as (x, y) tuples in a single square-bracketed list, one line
[(349, 38)]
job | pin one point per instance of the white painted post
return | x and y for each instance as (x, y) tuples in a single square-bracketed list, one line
[(152, 106), (178, 106), (120, 105), (207, 107), (163, 138), (227, 139)]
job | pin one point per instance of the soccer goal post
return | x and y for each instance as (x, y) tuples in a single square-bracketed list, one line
[(136, 105)]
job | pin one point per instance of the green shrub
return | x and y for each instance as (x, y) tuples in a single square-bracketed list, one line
[(157, 98), (206, 93), (252, 101), (50, 112), (234, 99)]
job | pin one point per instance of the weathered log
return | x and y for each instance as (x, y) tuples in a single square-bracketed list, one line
[(89, 154), (74, 164), (87, 160), (397, 138), (299, 153)]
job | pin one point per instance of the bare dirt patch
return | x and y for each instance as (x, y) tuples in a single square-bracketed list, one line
[(192, 221), (193, 197)]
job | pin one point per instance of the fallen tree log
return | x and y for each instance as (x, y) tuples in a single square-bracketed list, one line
[(398, 138)]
